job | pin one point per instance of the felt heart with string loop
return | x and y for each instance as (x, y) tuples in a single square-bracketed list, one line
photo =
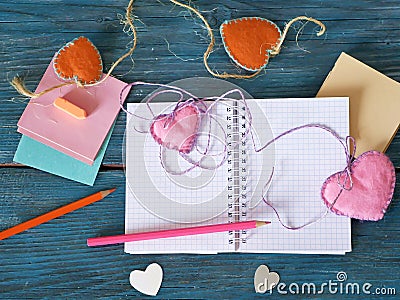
[(179, 129), (368, 190), (250, 41), (79, 60)]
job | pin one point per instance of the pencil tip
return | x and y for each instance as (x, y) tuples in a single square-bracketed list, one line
[(262, 223), (107, 192)]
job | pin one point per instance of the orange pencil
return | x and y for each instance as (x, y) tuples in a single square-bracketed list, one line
[(54, 214)]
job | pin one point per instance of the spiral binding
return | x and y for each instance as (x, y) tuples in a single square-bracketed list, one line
[(243, 159), (237, 171), (232, 209)]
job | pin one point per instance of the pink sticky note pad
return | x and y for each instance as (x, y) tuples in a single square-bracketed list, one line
[(51, 126)]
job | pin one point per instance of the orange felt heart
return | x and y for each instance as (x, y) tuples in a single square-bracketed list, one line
[(249, 41), (79, 60)]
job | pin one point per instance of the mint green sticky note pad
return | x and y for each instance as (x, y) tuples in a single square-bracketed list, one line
[(40, 156)]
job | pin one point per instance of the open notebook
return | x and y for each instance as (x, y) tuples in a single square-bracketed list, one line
[(301, 161)]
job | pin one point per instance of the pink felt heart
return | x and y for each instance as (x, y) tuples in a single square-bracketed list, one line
[(177, 130), (373, 177)]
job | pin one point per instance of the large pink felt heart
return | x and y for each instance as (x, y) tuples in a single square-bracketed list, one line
[(374, 178), (177, 130)]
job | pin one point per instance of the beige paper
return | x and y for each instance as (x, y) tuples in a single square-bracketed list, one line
[(374, 102)]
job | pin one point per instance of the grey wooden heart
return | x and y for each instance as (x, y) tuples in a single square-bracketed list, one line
[(264, 280)]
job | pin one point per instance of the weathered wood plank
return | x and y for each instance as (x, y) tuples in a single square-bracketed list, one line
[(35, 264), (370, 35), (52, 260)]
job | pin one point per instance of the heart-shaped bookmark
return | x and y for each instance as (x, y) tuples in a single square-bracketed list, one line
[(249, 41), (79, 60), (367, 198), (177, 130)]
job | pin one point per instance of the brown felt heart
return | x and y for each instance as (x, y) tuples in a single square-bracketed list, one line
[(249, 41), (79, 60)]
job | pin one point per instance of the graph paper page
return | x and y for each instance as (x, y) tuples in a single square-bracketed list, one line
[(157, 200), (303, 160)]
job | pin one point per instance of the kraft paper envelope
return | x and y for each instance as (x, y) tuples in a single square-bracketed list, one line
[(374, 102)]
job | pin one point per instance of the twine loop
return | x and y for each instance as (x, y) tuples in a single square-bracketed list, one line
[(277, 48), (18, 83), (274, 52), (346, 174)]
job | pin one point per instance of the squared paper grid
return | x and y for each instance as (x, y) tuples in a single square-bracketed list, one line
[(138, 219), (297, 160), (303, 160)]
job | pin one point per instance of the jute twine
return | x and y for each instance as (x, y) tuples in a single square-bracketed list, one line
[(18, 82), (275, 50)]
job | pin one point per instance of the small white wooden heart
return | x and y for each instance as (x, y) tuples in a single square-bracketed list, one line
[(149, 281), (264, 280)]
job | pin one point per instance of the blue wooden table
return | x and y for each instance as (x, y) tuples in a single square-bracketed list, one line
[(53, 261)]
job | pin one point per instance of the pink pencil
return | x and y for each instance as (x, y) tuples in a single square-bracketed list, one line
[(133, 237)]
